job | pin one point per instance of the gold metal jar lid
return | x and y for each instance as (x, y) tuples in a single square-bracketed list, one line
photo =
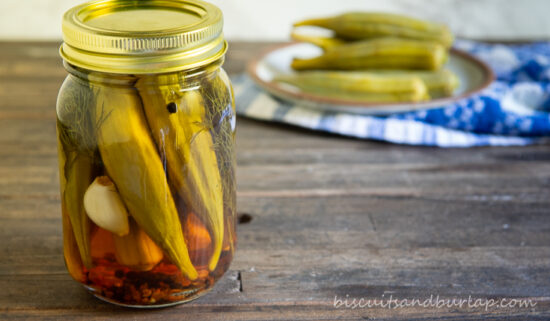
[(146, 36)]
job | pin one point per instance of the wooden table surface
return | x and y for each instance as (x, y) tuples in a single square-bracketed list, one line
[(321, 218)]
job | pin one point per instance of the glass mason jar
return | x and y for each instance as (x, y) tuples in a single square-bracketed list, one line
[(146, 132)]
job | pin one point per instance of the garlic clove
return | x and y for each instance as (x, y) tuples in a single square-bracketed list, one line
[(105, 207)]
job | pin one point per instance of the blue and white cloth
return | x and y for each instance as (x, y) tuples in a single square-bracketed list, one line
[(513, 111)]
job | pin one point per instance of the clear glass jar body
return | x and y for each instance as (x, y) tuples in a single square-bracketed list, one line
[(147, 171)]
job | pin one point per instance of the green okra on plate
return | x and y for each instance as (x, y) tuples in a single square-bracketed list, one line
[(364, 25), (363, 86), (381, 53)]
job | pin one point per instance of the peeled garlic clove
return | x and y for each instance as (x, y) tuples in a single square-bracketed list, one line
[(136, 250), (104, 206)]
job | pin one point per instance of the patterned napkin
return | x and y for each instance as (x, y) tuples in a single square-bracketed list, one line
[(513, 111)]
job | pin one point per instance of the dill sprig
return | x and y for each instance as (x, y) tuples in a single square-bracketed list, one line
[(219, 114), (77, 124), (76, 129)]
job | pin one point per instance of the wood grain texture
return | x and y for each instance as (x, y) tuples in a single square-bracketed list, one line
[(328, 217)]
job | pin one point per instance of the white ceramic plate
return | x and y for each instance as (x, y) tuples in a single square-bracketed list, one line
[(474, 76)]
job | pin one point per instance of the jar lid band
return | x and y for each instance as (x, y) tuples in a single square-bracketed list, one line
[(147, 36)]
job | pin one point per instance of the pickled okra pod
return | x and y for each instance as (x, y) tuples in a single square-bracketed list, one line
[(439, 83), (357, 97), (71, 253), (177, 119), (364, 25), (77, 149), (131, 160), (364, 86), (382, 53), (355, 81), (324, 43), (79, 171)]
